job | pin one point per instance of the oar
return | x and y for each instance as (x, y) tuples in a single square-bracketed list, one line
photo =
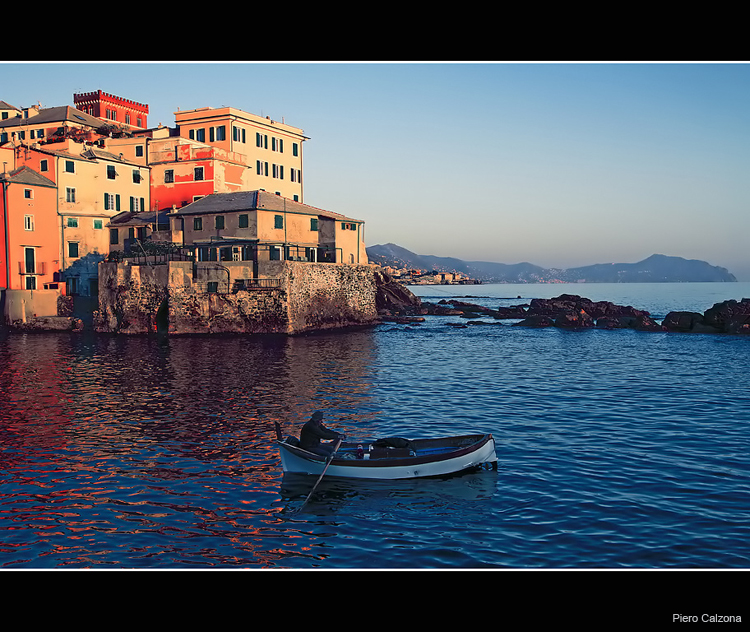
[(322, 474)]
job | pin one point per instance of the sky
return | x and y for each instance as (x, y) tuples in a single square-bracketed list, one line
[(555, 164)]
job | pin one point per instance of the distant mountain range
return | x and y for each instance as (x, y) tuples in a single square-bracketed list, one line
[(654, 269)]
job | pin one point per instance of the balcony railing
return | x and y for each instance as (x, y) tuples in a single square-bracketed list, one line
[(37, 267)]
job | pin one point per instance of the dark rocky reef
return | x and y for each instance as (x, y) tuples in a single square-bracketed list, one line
[(570, 311), (727, 317)]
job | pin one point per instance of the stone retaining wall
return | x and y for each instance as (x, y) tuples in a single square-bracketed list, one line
[(309, 297)]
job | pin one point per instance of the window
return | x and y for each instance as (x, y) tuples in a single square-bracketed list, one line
[(244, 221), (314, 223), (206, 254), (295, 149), (213, 287), (168, 176), (98, 224), (70, 194), (111, 202), (114, 236), (70, 166), (111, 172), (73, 249), (72, 222), (221, 132), (200, 135), (258, 140), (248, 253), (136, 176), (348, 226), (43, 165), (274, 253), (225, 254), (198, 173), (296, 198), (139, 150), (131, 233), (28, 222), (278, 221), (219, 222), (28, 194), (198, 223), (136, 204), (30, 283), (30, 260), (295, 175), (71, 286)]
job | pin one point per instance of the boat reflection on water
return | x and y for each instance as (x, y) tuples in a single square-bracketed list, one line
[(333, 493)]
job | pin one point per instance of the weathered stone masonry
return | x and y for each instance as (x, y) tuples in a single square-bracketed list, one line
[(139, 299)]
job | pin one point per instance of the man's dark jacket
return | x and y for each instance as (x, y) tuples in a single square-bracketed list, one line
[(312, 433)]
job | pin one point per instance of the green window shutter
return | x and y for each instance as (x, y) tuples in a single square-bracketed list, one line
[(278, 221), (314, 223), (143, 204), (132, 203), (106, 202), (117, 202)]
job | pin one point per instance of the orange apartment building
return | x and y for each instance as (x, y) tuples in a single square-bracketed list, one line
[(29, 256)]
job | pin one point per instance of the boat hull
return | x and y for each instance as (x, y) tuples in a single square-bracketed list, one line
[(435, 457)]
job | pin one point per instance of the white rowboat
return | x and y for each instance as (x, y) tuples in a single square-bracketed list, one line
[(423, 458)]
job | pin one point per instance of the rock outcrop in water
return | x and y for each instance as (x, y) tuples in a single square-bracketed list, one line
[(727, 317), (394, 302), (569, 311)]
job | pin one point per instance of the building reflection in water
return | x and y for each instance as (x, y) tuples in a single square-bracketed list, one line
[(126, 451)]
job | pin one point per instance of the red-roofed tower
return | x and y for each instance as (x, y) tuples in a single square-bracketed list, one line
[(111, 108)]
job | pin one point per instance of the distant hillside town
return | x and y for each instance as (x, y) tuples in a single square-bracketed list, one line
[(412, 276)]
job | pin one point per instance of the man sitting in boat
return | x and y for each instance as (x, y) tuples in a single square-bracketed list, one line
[(313, 431)]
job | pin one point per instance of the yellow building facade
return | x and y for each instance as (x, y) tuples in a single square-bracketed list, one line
[(270, 149), (260, 226)]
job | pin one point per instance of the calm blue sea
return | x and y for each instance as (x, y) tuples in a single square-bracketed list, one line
[(617, 449)]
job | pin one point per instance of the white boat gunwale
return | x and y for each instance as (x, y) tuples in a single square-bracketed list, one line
[(418, 459), (452, 458)]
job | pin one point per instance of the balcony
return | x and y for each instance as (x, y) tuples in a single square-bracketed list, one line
[(34, 267)]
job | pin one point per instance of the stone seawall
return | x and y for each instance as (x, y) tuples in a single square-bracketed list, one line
[(325, 296), (168, 298)]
